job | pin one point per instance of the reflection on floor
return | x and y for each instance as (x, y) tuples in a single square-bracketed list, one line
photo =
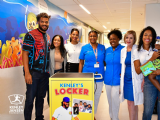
[(103, 110)]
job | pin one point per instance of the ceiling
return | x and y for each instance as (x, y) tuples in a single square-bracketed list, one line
[(123, 14)]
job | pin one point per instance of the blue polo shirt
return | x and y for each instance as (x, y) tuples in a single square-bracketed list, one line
[(87, 54), (113, 66)]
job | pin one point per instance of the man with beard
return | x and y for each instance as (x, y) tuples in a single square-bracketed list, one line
[(64, 112), (35, 56)]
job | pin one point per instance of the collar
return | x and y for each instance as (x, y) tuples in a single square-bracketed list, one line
[(119, 46), (40, 31), (92, 47), (150, 49)]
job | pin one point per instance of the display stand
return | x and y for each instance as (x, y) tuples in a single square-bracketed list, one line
[(79, 88)]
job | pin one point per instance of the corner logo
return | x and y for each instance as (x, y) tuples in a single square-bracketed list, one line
[(16, 99)]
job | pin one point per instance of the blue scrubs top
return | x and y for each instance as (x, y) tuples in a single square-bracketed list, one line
[(113, 66), (87, 54)]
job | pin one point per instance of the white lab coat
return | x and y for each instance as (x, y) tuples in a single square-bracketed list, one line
[(136, 79)]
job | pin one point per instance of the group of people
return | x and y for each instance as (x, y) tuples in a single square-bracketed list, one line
[(83, 107), (122, 77)]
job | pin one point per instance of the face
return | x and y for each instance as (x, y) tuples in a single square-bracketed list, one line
[(74, 36), (147, 37), (93, 37), (43, 24), (129, 40), (84, 104), (76, 105), (114, 40), (80, 103), (89, 105), (66, 104), (57, 42)]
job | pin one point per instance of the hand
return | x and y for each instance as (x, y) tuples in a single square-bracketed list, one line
[(155, 55), (156, 72), (142, 84), (28, 78)]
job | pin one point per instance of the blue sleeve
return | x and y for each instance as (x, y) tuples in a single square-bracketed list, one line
[(28, 42), (81, 56)]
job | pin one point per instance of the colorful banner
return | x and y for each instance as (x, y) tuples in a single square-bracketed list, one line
[(19, 17)]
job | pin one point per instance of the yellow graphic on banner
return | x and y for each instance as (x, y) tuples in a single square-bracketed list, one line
[(71, 98)]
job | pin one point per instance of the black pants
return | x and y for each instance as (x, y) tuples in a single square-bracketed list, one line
[(36, 90), (72, 67)]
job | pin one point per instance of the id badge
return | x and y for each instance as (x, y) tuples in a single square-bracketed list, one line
[(96, 65)]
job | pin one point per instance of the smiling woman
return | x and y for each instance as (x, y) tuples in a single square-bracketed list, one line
[(113, 71), (93, 55)]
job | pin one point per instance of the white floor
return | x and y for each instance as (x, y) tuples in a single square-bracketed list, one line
[(103, 110)]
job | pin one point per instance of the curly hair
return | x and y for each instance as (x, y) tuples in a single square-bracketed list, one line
[(44, 15), (115, 32), (154, 35)]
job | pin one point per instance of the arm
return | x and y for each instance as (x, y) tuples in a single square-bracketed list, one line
[(81, 63), (137, 64), (152, 78), (28, 77)]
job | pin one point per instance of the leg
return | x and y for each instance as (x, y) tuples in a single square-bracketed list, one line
[(41, 93), (115, 102), (158, 105), (97, 95), (150, 96), (153, 80), (30, 95), (108, 91), (133, 110)]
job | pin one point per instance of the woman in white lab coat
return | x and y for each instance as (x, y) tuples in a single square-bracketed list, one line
[(130, 86)]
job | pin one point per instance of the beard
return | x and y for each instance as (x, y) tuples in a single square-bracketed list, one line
[(66, 106), (41, 27)]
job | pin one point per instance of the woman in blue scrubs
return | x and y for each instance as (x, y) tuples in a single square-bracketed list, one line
[(112, 73), (92, 61)]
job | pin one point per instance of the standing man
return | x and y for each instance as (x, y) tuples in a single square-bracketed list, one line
[(35, 56)]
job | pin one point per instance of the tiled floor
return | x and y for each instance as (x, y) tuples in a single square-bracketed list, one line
[(103, 110)]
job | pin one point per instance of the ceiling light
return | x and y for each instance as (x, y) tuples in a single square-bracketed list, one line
[(108, 30), (104, 27), (84, 9)]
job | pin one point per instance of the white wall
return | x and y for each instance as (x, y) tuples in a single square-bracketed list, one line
[(152, 16)]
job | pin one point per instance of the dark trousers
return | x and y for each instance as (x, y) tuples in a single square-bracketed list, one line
[(36, 90), (72, 67)]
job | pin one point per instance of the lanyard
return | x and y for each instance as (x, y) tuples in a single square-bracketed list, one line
[(95, 53)]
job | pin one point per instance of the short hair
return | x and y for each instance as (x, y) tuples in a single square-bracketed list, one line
[(115, 32), (44, 15), (132, 32), (93, 31), (154, 35), (75, 103), (80, 101)]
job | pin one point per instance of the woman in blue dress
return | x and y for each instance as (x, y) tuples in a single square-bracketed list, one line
[(92, 61), (129, 82)]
